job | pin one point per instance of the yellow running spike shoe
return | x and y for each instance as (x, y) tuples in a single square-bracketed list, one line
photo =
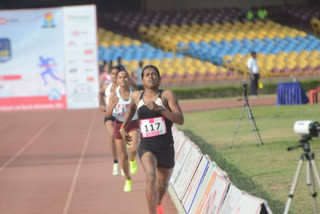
[(127, 186), (133, 167)]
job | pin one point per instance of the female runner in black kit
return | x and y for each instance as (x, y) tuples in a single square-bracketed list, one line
[(157, 111)]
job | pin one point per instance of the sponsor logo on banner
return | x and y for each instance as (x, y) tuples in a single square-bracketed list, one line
[(89, 61), (77, 33), (73, 70), (4, 21), (72, 43), (88, 51), (79, 18), (11, 77), (90, 79), (71, 61), (54, 94), (48, 21), (89, 70), (5, 50)]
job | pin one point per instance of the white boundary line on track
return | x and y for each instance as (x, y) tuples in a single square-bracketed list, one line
[(76, 174), (31, 141)]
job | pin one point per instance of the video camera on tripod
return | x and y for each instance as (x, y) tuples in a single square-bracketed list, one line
[(307, 129), (245, 92)]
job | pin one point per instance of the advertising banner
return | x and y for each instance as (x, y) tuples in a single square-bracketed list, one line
[(195, 183), (212, 192), (187, 171), (31, 60), (48, 58), (240, 202), (179, 160), (80, 56)]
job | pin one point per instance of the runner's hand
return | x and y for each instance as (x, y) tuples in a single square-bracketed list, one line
[(114, 99), (102, 108), (125, 136), (152, 106)]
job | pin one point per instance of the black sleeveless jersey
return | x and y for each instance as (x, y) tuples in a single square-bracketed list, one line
[(156, 142)]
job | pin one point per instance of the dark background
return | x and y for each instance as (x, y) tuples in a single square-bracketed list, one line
[(106, 5), (149, 5)]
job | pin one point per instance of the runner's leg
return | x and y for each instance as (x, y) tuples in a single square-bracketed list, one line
[(109, 128), (163, 177), (149, 164), (121, 147)]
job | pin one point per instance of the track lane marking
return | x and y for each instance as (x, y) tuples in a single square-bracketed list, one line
[(29, 143), (76, 174)]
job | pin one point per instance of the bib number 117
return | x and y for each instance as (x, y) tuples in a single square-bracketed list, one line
[(153, 127)]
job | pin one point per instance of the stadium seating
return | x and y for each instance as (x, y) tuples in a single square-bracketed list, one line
[(220, 37), (174, 67), (231, 44)]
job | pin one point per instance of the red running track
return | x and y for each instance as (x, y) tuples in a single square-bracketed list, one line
[(58, 162)]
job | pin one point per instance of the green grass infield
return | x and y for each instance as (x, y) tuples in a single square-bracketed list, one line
[(267, 170)]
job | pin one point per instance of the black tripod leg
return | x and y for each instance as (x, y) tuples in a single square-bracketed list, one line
[(254, 125), (237, 126)]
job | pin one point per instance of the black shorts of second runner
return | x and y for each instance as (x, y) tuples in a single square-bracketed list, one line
[(108, 118), (165, 157)]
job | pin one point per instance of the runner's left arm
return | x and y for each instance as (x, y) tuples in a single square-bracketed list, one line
[(174, 113)]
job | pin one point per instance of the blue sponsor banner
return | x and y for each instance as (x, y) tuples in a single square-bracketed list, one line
[(5, 50)]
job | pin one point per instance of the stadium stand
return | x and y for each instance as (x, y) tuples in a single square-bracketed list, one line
[(174, 67), (219, 41)]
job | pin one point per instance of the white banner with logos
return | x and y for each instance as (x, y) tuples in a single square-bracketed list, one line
[(48, 58), (80, 56)]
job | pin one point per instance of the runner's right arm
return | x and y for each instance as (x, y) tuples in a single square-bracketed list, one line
[(112, 104), (129, 114), (101, 98)]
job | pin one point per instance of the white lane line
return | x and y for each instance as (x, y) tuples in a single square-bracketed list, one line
[(76, 175), (31, 141)]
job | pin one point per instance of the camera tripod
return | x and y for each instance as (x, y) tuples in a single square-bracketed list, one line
[(246, 107), (312, 172)]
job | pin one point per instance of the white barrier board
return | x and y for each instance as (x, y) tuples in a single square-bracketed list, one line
[(195, 183), (187, 171), (178, 143), (180, 158), (212, 192)]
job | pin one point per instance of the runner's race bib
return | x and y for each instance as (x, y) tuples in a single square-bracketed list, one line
[(153, 127), (122, 109)]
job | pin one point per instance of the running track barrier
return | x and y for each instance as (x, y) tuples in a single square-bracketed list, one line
[(201, 186)]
